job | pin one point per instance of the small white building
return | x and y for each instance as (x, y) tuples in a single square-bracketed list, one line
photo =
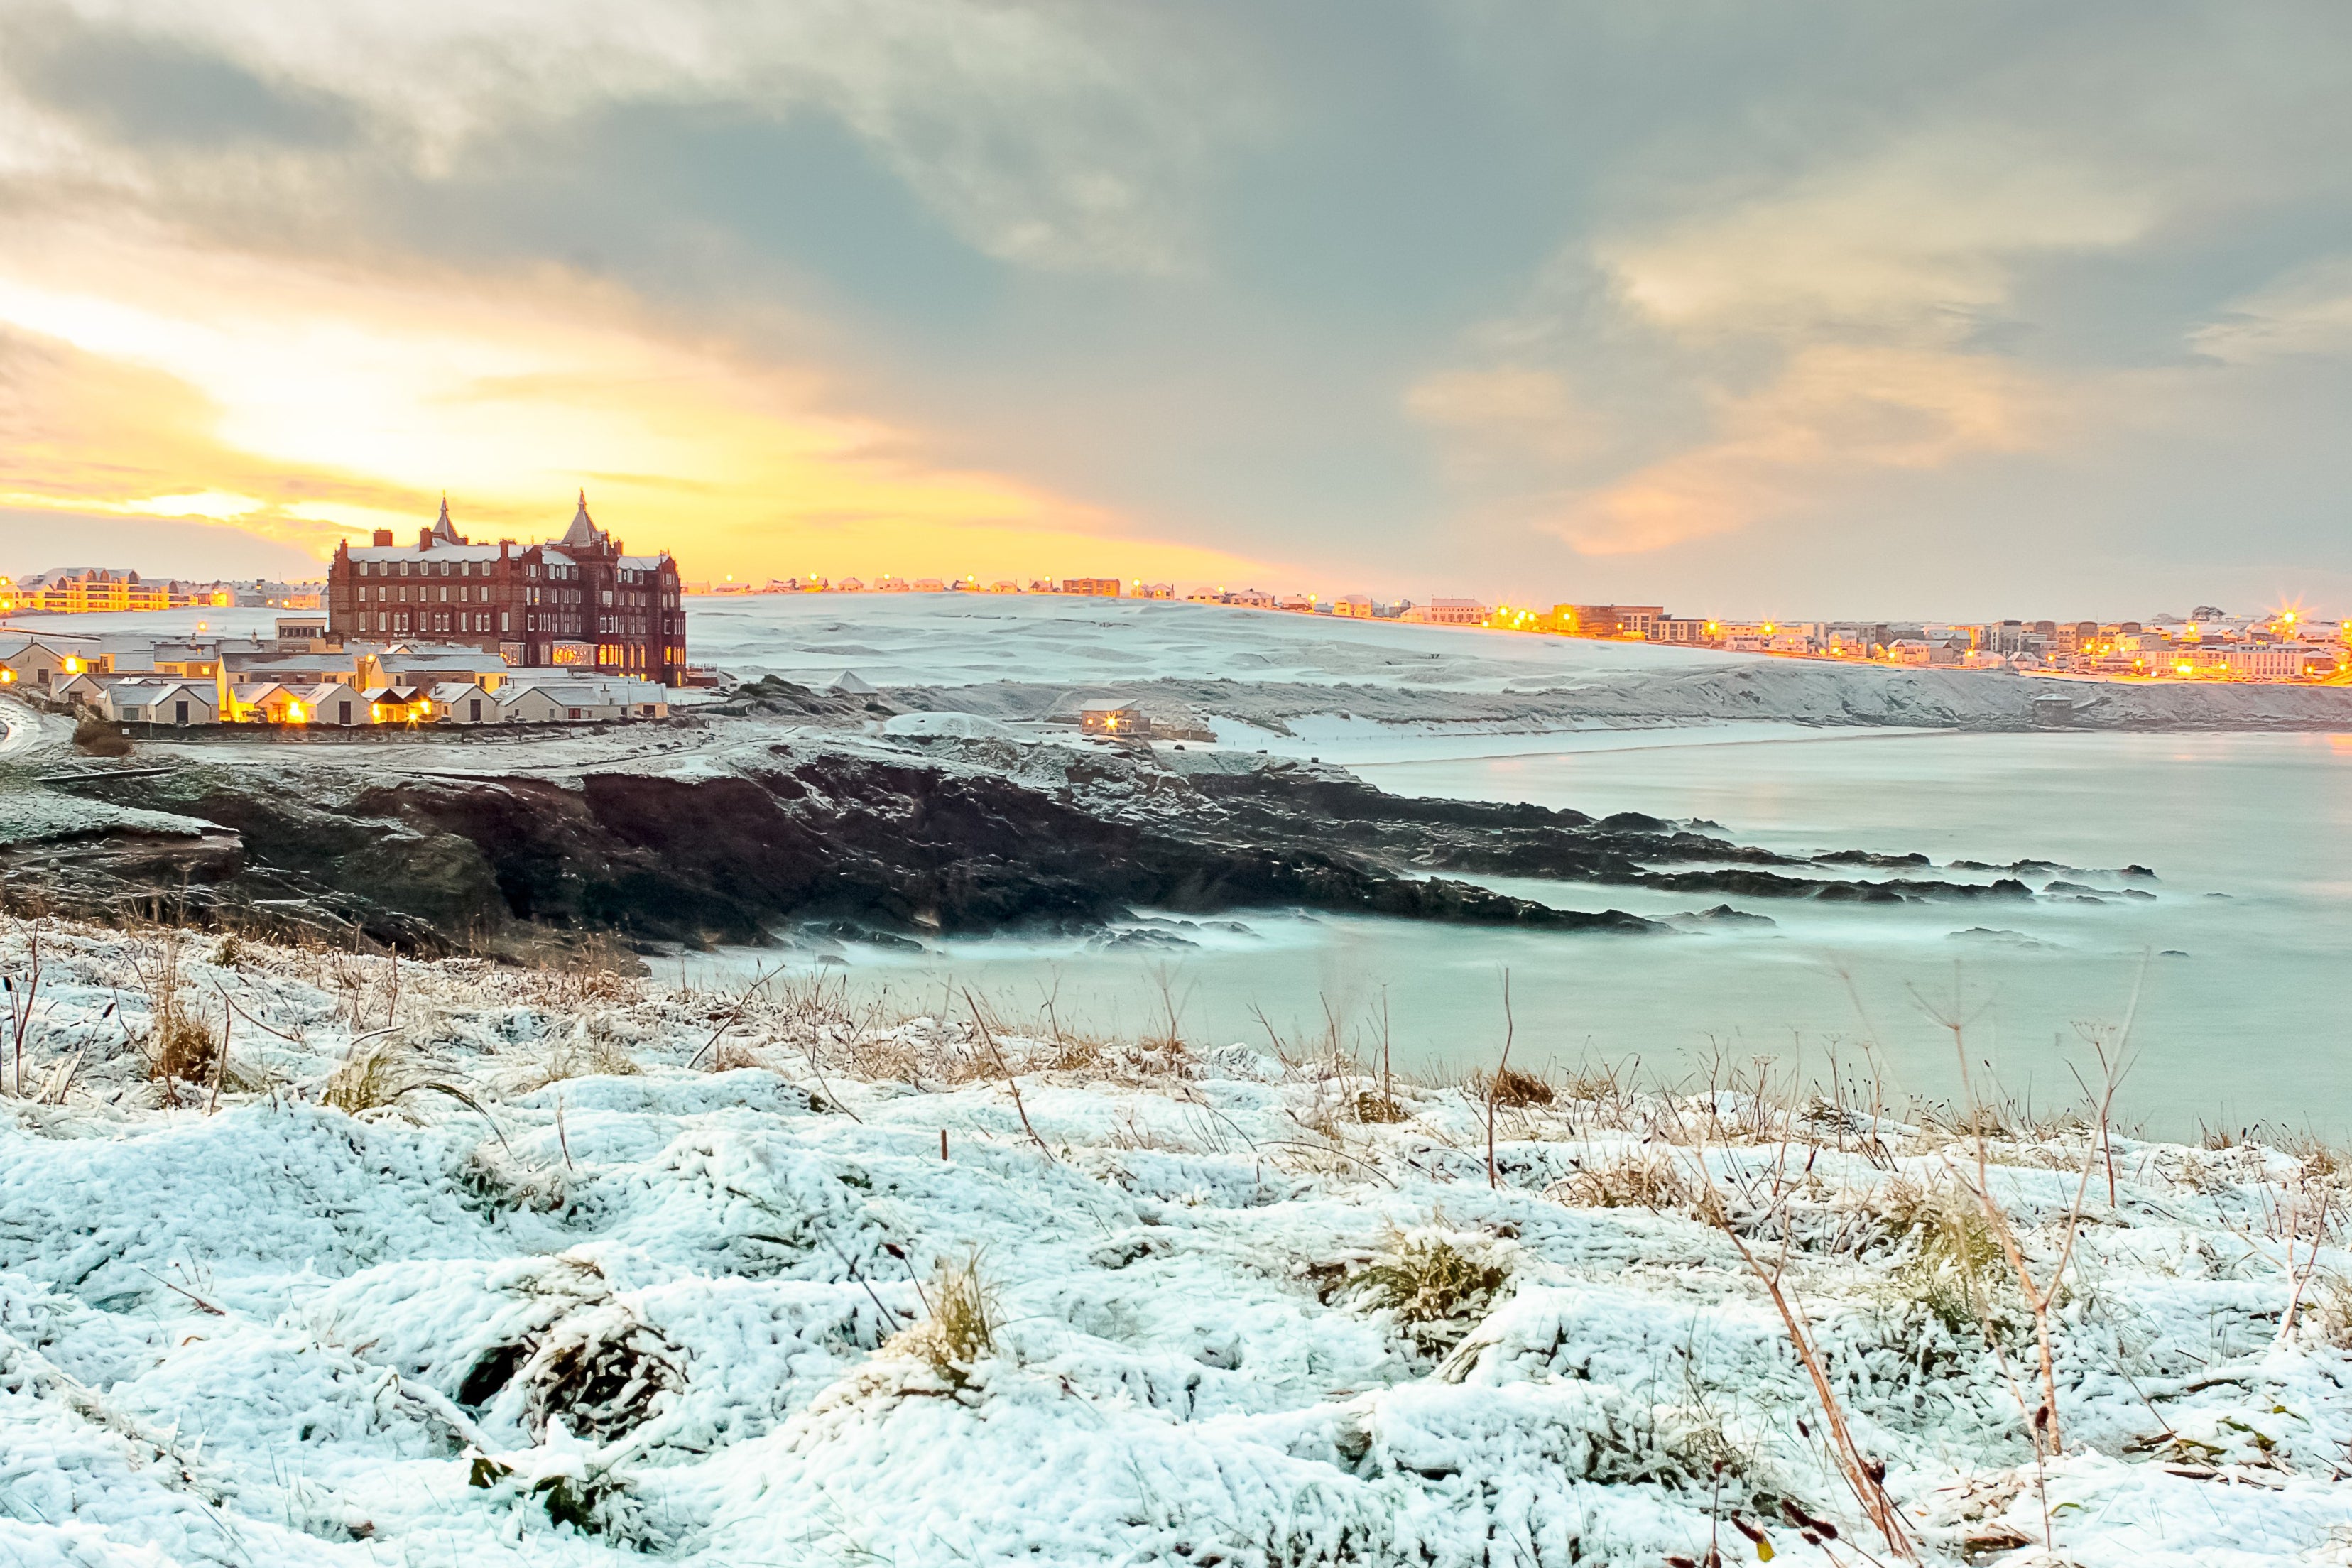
[(42, 665), (528, 704), (86, 690), (434, 666), (587, 703), (332, 704), (175, 703), (398, 704), (261, 702), (1122, 720), (464, 702)]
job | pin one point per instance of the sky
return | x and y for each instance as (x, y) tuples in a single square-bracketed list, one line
[(1821, 308)]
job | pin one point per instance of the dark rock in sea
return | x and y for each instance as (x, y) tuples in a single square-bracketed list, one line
[(1721, 915), (1866, 857), (2062, 886), (1987, 936), (858, 848), (2141, 872), (1142, 937)]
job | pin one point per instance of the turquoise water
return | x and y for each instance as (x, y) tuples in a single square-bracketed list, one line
[(2238, 965)]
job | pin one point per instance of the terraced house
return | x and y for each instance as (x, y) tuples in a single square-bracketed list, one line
[(581, 600)]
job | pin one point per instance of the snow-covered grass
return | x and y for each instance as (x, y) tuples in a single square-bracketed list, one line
[(453, 1263)]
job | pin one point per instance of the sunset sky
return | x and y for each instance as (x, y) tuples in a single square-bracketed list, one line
[(1802, 310)]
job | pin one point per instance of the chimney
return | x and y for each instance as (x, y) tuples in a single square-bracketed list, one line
[(384, 538)]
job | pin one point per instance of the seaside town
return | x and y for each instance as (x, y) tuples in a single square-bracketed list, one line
[(2206, 644), (445, 631), (577, 630)]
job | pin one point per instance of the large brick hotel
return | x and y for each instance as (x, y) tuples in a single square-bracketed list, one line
[(578, 600)]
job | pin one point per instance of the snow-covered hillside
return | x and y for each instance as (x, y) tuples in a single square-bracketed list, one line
[(442, 1264), (970, 640)]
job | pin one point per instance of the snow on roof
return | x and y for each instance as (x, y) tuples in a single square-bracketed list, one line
[(440, 658), (149, 690), (439, 552)]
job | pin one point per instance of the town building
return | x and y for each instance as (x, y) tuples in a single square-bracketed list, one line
[(86, 590), (1121, 721), (581, 600), (1606, 620), (1093, 587)]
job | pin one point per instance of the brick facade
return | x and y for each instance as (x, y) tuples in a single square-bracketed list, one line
[(579, 600)]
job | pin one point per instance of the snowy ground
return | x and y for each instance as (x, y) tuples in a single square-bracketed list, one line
[(455, 1264), (965, 639)]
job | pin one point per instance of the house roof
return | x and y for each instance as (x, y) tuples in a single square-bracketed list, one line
[(148, 691), (439, 660), (439, 552)]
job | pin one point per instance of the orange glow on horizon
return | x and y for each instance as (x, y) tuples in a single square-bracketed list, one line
[(308, 408)]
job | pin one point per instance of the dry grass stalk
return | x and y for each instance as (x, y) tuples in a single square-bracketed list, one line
[(1431, 1287), (1521, 1091), (1010, 1081), (1862, 1475), (1643, 1182), (377, 1076), (960, 1331), (1502, 1072), (585, 1053)]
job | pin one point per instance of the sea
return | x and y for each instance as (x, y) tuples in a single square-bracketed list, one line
[(2218, 988)]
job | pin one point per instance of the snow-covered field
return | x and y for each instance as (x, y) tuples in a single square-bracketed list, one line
[(454, 1265), (970, 640)]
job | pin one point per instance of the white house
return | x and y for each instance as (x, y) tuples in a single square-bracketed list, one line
[(85, 689), (41, 666), (587, 703), (521, 704), (164, 702), (260, 702), (433, 667), (333, 704), (398, 704), (464, 702)]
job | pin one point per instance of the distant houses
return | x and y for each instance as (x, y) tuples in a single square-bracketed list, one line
[(303, 678)]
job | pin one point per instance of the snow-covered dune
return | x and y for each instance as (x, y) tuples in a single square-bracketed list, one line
[(970, 639), (453, 1265)]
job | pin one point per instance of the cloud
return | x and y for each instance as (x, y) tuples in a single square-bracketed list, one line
[(1046, 137), (1835, 411), (2307, 313), (1508, 414), (1785, 345), (1918, 242), (139, 89)]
